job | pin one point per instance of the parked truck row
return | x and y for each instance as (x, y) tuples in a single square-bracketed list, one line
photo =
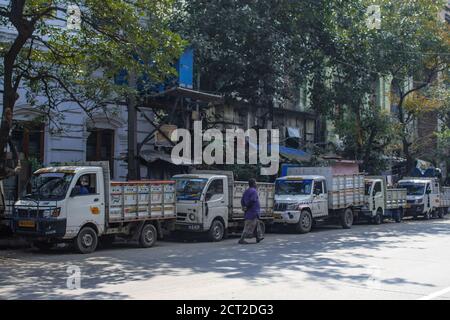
[(80, 205)]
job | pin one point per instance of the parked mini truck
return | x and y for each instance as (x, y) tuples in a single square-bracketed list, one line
[(79, 204), (426, 197), (318, 193), (210, 201), (383, 202)]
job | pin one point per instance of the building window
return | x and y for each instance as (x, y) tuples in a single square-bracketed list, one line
[(100, 147)]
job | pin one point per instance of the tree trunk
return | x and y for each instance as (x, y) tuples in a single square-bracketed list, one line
[(133, 166)]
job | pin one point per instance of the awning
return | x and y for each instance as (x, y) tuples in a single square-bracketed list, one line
[(288, 153), (192, 94), (150, 156)]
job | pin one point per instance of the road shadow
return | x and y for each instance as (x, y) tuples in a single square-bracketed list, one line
[(322, 256)]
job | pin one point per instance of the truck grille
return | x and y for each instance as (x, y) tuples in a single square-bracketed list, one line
[(181, 216), (30, 213), (280, 207)]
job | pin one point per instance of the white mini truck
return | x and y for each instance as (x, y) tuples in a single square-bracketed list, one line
[(382, 202), (426, 197), (63, 208), (310, 194), (210, 202)]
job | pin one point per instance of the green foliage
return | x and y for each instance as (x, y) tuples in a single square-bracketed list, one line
[(79, 66)]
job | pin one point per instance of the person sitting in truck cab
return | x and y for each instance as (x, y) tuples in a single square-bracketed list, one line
[(82, 186)]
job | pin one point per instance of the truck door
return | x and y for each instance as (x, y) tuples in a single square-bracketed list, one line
[(86, 203), (378, 197), (320, 199), (216, 202)]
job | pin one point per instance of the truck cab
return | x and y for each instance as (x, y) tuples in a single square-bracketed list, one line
[(423, 196), (382, 202), (299, 200), (60, 202), (203, 202)]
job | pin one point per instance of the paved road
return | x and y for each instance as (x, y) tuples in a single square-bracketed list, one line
[(391, 261)]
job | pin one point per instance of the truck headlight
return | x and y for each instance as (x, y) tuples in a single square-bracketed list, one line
[(419, 201), (292, 206), (192, 217), (54, 213)]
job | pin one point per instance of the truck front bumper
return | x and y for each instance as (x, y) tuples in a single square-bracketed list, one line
[(414, 210), (286, 217), (192, 227), (39, 228)]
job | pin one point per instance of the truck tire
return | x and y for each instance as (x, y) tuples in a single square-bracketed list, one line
[(148, 236), (378, 219), (441, 213), (86, 241), (305, 222), (217, 231), (42, 245), (347, 218)]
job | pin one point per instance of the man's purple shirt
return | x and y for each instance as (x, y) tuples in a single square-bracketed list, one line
[(250, 200)]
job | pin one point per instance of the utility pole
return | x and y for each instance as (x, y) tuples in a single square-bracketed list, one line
[(133, 167)]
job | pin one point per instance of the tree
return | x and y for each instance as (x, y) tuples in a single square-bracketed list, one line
[(410, 46), (254, 51), (414, 48), (63, 65)]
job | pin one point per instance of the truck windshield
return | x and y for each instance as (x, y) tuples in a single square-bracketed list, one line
[(293, 187), (414, 189), (49, 186), (190, 189)]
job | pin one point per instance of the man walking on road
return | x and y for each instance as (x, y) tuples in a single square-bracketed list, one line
[(251, 206)]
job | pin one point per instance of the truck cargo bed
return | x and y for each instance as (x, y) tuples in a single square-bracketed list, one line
[(396, 198), (266, 198), (141, 200)]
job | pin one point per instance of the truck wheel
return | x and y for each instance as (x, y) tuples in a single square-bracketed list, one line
[(441, 213), (217, 231), (347, 218), (148, 236), (42, 245), (86, 241), (378, 219), (305, 222)]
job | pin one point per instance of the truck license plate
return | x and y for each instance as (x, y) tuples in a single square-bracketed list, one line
[(27, 224)]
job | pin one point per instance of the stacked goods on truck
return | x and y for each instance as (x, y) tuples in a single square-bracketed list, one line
[(426, 197), (80, 205), (210, 202), (310, 194)]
